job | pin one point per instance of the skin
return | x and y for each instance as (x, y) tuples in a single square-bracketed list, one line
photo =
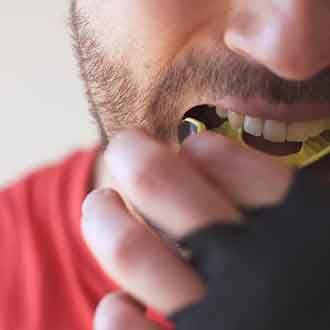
[(146, 69), (155, 179), (144, 64)]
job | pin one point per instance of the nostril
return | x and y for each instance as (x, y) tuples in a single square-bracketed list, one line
[(291, 48)]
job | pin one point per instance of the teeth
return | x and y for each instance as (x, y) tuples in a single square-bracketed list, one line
[(236, 120), (317, 127), (221, 112), (253, 126), (297, 132), (275, 131), (302, 131)]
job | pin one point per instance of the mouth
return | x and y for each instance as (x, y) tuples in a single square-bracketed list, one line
[(265, 131)]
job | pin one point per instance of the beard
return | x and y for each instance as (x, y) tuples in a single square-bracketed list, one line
[(116, 101)]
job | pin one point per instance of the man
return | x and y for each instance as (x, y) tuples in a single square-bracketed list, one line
[(264, 66)]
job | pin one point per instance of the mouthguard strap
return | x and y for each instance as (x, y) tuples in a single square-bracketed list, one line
[(312, 150)]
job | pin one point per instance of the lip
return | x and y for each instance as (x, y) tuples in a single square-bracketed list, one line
[(258, 107)]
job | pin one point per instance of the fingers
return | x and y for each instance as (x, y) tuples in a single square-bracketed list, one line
[(250, 178), (120, 312), (167, 188), (138, 261)]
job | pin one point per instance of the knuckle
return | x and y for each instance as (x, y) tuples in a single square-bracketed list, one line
[(126, 251), (115, 313), (147, 177)]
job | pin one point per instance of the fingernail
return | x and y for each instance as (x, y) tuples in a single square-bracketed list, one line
[(93, 200), (94, 225)]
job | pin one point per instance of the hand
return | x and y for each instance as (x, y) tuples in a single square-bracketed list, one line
[(208, 182)]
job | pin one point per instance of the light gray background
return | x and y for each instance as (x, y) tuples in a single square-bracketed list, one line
[(43, 108)]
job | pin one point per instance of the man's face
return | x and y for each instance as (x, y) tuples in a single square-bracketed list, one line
[(265, 64)]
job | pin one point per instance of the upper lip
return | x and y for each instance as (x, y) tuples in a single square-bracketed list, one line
[(258, 107)]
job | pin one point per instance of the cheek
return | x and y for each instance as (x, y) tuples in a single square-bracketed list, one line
[(165, 26), (149, 31)]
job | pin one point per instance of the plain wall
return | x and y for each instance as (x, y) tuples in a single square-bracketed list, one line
[(44, 113)]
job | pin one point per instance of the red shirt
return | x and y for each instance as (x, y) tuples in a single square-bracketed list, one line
[(48, 277)]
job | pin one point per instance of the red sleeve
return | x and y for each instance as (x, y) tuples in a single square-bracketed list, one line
[(8, 256), (48, 277)]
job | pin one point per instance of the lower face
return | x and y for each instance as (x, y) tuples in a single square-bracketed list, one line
[(150, 64)]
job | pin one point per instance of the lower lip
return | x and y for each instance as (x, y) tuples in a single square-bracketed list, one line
[(258, 107)]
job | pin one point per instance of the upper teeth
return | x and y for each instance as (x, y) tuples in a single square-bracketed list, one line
[(273, 130)]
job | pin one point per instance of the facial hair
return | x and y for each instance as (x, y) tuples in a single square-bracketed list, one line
[(116, 101)]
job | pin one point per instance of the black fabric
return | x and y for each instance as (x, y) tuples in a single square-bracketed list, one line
[(271, 273)]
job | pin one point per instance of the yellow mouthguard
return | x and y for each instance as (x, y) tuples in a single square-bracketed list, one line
[(312, 150)]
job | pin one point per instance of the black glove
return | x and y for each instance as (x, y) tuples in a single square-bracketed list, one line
[(273, 273)]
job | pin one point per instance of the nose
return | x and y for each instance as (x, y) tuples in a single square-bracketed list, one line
[(291, 38)]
